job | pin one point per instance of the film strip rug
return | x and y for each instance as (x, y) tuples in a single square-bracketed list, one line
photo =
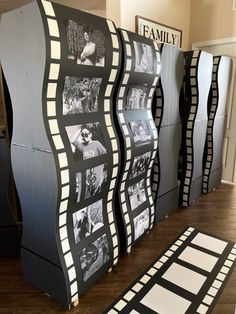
[(187, 278)]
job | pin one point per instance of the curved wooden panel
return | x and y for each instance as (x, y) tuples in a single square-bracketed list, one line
[(165, 185), (217, 102), (66, 158), (193, 110), (138, 134)]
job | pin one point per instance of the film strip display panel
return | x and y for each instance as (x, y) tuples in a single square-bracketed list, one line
[(167, 119), (83, 61), (217, 102), (138, 82), (193, 110), (165, 285)]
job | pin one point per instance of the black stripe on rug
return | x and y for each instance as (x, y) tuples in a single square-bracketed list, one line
[(187, 278)]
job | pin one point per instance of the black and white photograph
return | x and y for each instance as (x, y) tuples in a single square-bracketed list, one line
[(86, 140), (140, 164), (136, 97), (94, 256), (87, 220), (141, 132), (96, 177), (144, 61), (80, 95), (137, 194), (78, 180), (141, 223), (86, 44)]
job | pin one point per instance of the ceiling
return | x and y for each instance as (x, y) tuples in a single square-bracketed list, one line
[(7, 5)]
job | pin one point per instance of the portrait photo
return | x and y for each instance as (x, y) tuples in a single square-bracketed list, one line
[(80, 95), (140, 164), (94, 256), (87, 220), (141, 223), (137, 194), (136, 98), (86, 44), (144, 61), (86, 140), (96, 177), (141, 132)]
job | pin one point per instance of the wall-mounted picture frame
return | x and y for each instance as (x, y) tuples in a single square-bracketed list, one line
[(158, 31)]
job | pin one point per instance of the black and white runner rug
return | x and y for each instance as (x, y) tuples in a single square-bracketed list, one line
[(187, 278)]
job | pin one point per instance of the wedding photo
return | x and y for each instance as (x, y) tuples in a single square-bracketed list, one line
[(86, 44), (94, 256), (141, 132), (87, 220), (141, 223), (80, 95), (86, 140), (137, 194), (144, 61), (136, 98)]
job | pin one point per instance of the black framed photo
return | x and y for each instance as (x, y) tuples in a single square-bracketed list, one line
[(80, 95), (141, 132), (136, 98), (140, 164), (86, 44), (144, 58), (137, 194), (94, 256), (87, 220), (141, 223), (86, 140), (96, 177)]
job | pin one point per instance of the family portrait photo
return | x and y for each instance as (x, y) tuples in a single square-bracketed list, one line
[(144, 61), (86, 140), (94, 256), (141, 223), (140, 164), (87, 220), (95, 179), (86, 44), (80, 95), (137, 194), (136, 97), (141, 132)]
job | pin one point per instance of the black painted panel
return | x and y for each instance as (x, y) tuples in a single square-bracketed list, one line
[(61, 74), (217, 103), (193, 110)]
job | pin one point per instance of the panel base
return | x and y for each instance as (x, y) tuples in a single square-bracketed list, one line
[(166, 204), (214, 179), (196, 190), (45, 276), (9, 241)]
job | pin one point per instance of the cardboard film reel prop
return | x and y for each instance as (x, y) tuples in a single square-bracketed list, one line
[(217, 103), (61, 68), (165, 186), (193, 111), (9, 233), (141, 70)]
